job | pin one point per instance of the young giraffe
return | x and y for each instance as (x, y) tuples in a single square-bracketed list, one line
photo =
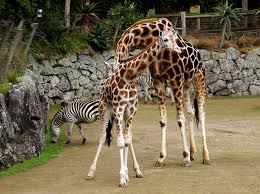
[(177, 71), (119, 98)]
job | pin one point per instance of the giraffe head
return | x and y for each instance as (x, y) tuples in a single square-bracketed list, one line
[(168, 40)]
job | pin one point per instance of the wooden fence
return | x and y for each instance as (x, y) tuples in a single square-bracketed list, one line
[(204, 24)]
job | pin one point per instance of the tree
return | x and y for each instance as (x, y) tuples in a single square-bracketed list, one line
[(67, 13), (226, 15)]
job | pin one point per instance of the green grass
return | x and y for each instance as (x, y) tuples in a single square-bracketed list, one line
[(50, 151), (5, 87)]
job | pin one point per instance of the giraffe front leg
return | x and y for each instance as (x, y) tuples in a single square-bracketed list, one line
[(121, 144), (104, 117), (160, 90)]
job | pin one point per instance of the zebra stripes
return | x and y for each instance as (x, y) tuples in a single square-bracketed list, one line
[(146, 83), (77, 112)]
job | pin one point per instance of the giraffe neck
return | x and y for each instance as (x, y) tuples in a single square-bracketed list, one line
[(132, 67), (141, 33)]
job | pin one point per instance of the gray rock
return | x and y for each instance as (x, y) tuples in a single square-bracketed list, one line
[(22, 123), (64, 84), (227, 65), (209, 65), (205, 55), (54, 81), (74, 84), (236, 74), (93, 77), (65, 62), (85, 73), (224, 92), (258, 73), (216, 70), (239, 86), (254, 90), (72, 58), (68, 96), (241, 63), (225, 76), (55, 93), (218, 56), (253, 59), (211, 78), (217, 86), (83, 80), (232, 53)]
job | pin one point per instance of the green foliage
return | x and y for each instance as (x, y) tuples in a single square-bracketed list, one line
[(86, 14), (50, 151), (5, 87), (12, 74), (122, 16), (227, 14), (97, 37), (68, 41)]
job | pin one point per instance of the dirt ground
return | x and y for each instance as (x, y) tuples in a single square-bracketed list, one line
[(233, 140)]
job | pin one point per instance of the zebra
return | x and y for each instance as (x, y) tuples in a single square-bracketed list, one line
[(77, 112), (146, 83)]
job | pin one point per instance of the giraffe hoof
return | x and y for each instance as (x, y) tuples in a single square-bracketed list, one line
[(84, 141), (123, 185), (67, 142), (206, 162), (159, 164), (186, 163), (89, 178), (145, 102), (192, 157), (140, 175)]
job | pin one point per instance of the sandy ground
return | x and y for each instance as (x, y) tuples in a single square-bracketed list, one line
[(234, 144)]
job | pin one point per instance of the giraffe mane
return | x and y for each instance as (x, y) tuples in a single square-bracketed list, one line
[(139, 54), (138, 23)]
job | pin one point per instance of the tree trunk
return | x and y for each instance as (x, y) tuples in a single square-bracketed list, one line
[(67, 13), (34, 26), (118, 25), (15, 43), (223, 34)]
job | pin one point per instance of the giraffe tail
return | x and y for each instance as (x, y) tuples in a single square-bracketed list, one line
[(196, 108), (109, 130)]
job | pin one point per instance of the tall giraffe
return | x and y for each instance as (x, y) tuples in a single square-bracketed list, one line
[(177, 71), (119, 98)]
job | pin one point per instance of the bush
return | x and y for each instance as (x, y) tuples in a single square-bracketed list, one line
[(12, 74), (97, 37)]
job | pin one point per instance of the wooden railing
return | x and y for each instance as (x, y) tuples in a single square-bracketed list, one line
[(203, 23)]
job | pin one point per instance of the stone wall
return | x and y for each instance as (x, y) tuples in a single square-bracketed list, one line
[(232, 73), (80, 75), (23, 119)]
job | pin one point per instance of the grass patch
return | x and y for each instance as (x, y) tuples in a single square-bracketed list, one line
[(5, 87), (50, 151)]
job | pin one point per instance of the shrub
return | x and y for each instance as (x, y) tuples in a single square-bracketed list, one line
[(12, 74), (97, 37)]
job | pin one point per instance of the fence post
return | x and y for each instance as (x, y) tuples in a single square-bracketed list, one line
[(183, 23), (198, 24)]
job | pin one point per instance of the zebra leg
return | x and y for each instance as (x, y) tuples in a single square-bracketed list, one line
[(104, 116), (190, 115), (146, 94), (69, 132), (81, 133), (169, 91), (160, 90)]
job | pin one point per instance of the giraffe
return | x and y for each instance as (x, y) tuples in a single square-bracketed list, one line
[(119, 98), (178, 71)]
